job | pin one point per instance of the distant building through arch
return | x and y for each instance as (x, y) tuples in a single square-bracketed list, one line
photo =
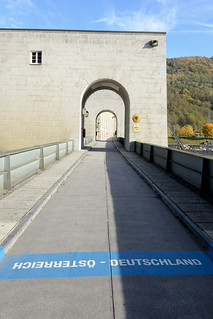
[(106, 126)]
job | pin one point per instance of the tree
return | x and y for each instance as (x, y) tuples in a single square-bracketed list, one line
[(190, 94), (169, 132), (187, 130), (208, 129)]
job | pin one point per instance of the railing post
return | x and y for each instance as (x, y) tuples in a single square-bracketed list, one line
[(73, 145), (151, 158), (57, 152), (41, 161), (67, 148), (7, 176), (168, 160), (205, 182), (141, 150)]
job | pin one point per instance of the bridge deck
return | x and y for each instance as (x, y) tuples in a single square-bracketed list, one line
[(195, 210), (105, 246)]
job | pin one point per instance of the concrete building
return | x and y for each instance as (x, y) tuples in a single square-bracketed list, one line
[(106, 126), (51, 79)]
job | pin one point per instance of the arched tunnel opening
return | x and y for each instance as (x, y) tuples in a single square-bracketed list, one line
[(117, 125), (106, 126)]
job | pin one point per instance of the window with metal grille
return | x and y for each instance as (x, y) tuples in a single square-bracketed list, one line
[(36, 57)]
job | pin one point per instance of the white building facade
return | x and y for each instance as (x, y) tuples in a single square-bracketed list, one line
[(50, 78)]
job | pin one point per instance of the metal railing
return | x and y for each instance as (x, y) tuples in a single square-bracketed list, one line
[(196, 170), (88, 140), (181, 145), (19, 165)]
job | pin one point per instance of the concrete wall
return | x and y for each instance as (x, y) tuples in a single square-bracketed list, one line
[(42, 103)]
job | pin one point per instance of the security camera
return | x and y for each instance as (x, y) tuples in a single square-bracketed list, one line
[(154, 43)]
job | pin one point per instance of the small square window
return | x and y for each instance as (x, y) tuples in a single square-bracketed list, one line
[(36, 57)]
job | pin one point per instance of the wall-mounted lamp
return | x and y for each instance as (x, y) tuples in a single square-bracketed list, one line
[(154, 43), (85, 112)]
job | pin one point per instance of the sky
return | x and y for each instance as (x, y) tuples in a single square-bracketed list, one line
[(188, 23)]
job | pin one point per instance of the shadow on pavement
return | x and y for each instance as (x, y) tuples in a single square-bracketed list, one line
[(139, 221)]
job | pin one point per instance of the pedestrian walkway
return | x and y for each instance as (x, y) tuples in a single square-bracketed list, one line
[(29, 197), (195, 210), (105, 246)]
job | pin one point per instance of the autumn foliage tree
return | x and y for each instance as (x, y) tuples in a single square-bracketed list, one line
[(190, 95), (187, 130), (208, 129), (169, 132)]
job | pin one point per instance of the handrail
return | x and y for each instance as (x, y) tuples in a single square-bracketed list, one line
[(182, 146), (193, 169), (32, 148), (16, 166)]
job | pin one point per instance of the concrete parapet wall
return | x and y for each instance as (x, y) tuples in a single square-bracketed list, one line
[(193, 169)]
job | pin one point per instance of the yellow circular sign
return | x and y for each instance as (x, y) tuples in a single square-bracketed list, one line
[(136, 128), (136, 118)]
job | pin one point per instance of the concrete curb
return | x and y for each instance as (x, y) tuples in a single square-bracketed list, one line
[(206, 241), (20, 227)]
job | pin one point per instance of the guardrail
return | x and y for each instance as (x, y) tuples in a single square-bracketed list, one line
[(19, 165), (193, 169), (87, 140), (196, 170)]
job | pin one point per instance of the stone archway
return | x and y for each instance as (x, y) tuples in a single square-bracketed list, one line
[(114, 86)]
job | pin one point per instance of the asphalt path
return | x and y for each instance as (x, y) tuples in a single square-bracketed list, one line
[(105, 246)]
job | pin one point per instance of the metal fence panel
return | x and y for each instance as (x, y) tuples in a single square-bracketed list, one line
[(138, 148), (21, 173), (193, 162), (160, 156), (194, 169), (147, 151), (17, 166), (190, 176)]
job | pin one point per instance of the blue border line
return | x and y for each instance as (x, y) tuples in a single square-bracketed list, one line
[(210, 250), (2, 253)]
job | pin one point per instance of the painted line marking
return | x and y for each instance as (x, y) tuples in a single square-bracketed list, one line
[(2, 254), (94, 264)]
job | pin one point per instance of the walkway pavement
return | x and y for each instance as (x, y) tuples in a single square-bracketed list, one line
[(16, 205), (105, 246), (193, 208)]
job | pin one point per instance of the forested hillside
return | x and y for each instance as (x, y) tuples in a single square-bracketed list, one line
[(190, 91)]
